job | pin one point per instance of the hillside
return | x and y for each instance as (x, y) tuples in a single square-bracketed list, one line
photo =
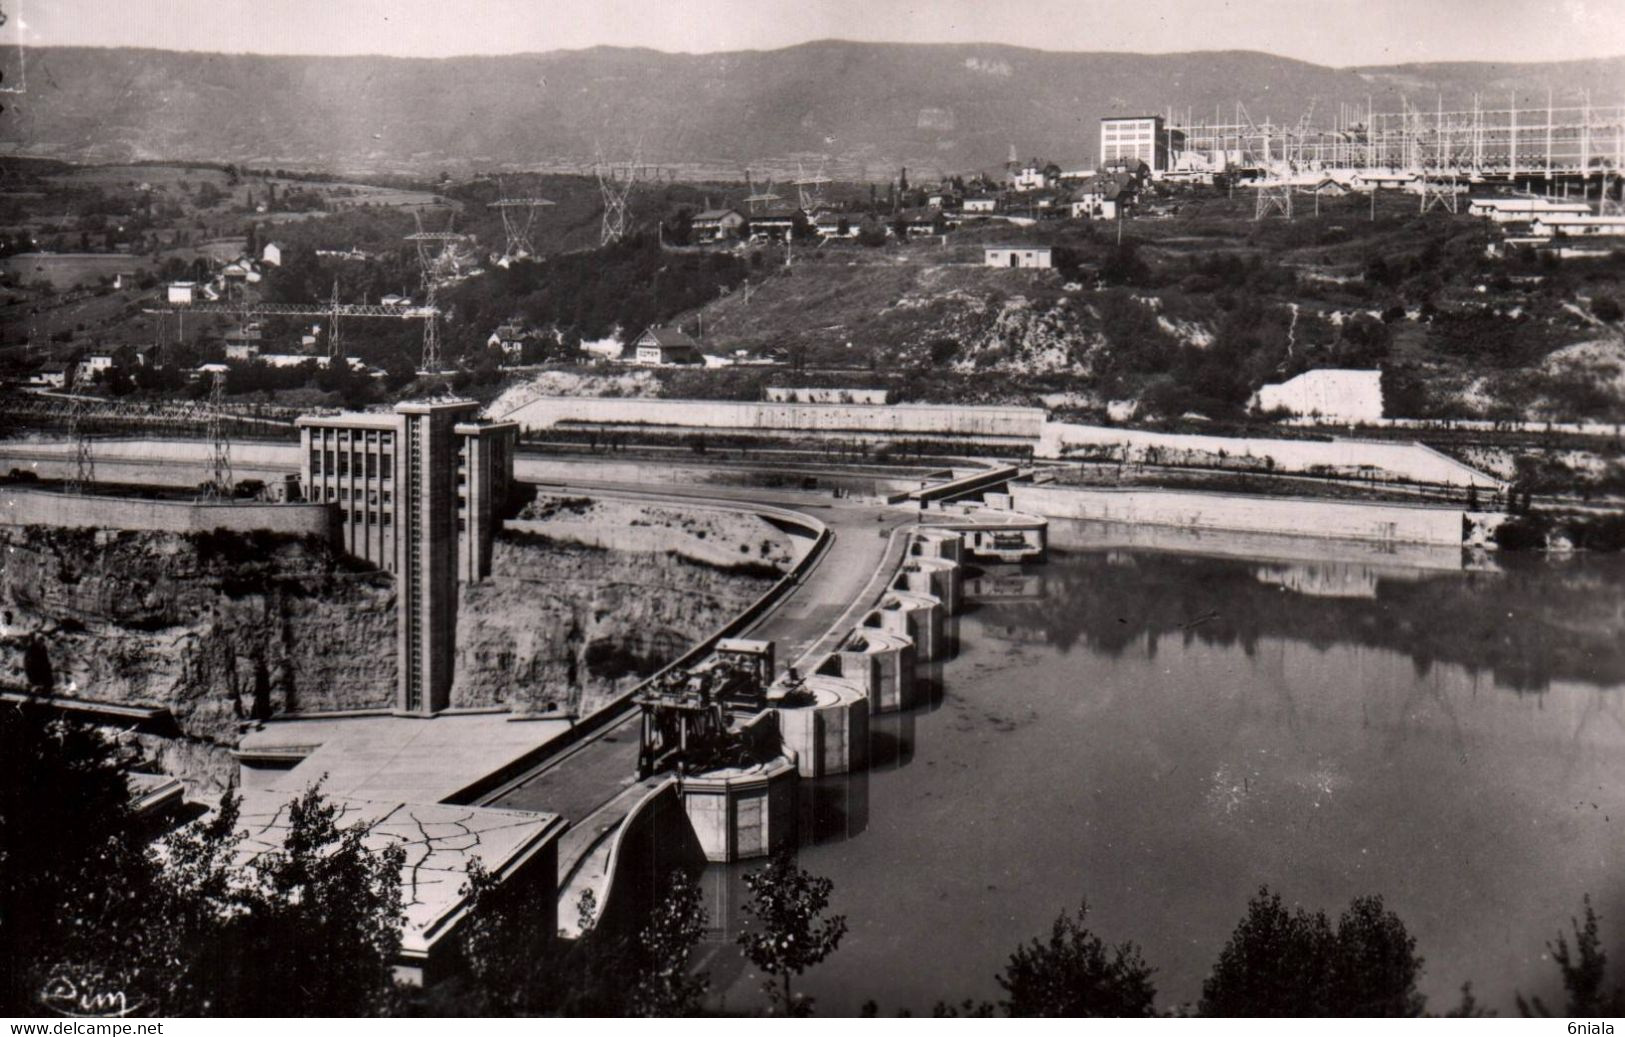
[(868, 107)]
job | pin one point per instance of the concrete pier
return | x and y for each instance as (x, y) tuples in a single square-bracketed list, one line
[(937, 542), (738, 813), (830, 733), (937, 577), (880, 662), (922, 616)]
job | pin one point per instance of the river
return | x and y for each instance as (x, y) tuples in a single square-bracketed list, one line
[(1162, 723)]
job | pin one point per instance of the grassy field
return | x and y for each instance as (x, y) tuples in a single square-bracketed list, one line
[(70, 270)]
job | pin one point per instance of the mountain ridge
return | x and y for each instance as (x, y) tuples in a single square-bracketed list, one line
[(862, 109)]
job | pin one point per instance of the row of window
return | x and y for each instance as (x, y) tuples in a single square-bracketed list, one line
[(346, 462)]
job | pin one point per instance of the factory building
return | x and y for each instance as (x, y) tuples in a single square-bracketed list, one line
[(421, 492), (1127, 141)]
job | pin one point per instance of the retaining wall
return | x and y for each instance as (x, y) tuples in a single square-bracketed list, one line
[(1296, 516), (1411, 462), (912, 419), (29, 507)]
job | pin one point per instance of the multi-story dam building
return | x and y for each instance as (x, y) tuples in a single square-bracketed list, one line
[(420, 492)]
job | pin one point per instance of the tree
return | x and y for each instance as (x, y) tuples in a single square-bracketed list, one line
[(1585, 973), (1278, 963), (73, 874), (312, 927), (787, 936), (1076, 974), (664, 986), (1605, 308)]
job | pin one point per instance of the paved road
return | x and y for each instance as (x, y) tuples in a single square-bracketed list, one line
[(596, 771)]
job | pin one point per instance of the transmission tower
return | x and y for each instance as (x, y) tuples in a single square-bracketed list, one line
[(518, 216), (84, 465), (810, 189), (333, 350), (1439, 191), (431, 334), (1274, 198), (433, 264), (615, 183), (220, 481), (762, 195)]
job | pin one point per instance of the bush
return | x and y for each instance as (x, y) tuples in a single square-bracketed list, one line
[(1604, 307)]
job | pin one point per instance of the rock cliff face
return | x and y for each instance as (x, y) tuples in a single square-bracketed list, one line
[(565, 625), (215, 627)]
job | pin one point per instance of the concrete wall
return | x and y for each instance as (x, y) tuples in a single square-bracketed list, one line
[(1385, 523), (1410, 462), (28, 507), (777, 394), (159, 462), (909, 419), (539, 468)]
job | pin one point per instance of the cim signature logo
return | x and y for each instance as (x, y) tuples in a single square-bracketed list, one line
[(88, 993)]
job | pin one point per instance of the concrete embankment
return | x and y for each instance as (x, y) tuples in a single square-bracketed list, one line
[(1294, 516), (845, 420)]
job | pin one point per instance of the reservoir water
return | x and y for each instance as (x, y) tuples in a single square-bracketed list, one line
[(1162, 723)]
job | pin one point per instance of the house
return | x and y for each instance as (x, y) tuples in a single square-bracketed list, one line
[(92, 364), (716, 225), (837, 225), (242, 350), (53, 375), (271, 254), (1337, 395), (1105, 196), (1372, 180), (919, 223), (945, 198), (980, 203), (776, 223), (182, 293), (1035, 176), (150, 356), (1523, 209), (666, 347), (511, 338), (1552, 225), (208, 371), (1031, 257), (395, 300)]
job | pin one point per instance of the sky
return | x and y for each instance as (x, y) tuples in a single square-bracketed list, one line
[(1328, 32)]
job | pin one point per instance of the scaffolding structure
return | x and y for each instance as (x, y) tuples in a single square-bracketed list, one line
[(1482, 143)]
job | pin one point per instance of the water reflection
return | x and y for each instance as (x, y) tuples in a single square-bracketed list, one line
[(1162, 731), (1524, 621)]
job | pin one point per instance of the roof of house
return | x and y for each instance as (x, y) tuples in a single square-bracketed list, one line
[(712, 215), (776, 212), (1017, 248), (54, 367), (667, 338)]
